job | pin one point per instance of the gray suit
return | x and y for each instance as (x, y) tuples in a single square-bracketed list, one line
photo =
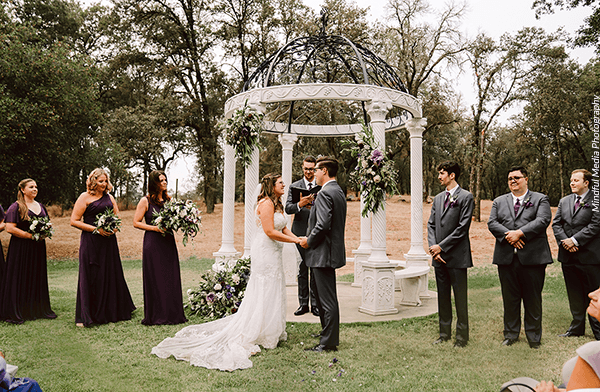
[(581, 269), (449, 228), (326, 252), (522, 272), (299, 227)]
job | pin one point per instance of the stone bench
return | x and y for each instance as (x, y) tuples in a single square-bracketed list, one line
[(410, 280)]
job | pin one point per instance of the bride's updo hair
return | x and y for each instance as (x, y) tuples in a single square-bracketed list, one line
[(267, 186)]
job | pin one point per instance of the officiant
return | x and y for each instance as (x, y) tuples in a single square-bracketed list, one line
[(301, 209)]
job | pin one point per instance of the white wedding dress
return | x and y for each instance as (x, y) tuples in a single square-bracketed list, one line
[(228, 343)]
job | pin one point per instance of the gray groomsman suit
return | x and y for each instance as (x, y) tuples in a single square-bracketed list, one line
[(522, 271), (326, 252), (581, 269), (449, 228)]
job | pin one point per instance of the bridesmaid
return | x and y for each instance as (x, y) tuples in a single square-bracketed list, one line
[(163, 302), (2, 227), (25, 287), (102, 293)]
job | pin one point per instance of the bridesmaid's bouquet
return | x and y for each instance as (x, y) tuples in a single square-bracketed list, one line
[(108, 221), (179, 215), (40, 228)]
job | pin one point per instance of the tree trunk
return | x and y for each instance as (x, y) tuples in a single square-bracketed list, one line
[(479, 170)]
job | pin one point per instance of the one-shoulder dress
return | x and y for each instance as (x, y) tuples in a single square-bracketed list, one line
[(228, 343), (25, 287), (163, 303), (102, 292)]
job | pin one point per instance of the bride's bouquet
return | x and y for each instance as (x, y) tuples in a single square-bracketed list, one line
[(40, 228), (220, 294), (179, 215), (108, 221)]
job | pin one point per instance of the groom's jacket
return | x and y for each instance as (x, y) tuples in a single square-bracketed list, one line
[(326, 225), (449, 228)]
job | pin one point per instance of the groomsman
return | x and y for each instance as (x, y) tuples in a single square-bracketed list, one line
[(301, 210), (326, 249), (577, 230), (449, 245), (519, 221)]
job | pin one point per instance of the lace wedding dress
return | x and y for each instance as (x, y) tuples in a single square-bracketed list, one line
[(227, 343)]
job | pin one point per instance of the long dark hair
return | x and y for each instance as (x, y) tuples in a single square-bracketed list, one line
[(267, 186), (23, 210), (154, 192)]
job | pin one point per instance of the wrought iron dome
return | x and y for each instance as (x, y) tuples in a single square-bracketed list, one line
[(302, 84)]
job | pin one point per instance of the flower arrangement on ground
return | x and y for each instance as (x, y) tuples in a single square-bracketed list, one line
[(242, 131), (220, 293), (374, 173), (108, 221), (40, 228), (179, 215)]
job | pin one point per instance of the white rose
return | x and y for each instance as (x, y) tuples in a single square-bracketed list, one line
[(217, 287), (364, 164), (377, 178), (189, 291), (235, 278)]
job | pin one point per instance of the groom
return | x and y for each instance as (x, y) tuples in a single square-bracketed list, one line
[(325, 249)]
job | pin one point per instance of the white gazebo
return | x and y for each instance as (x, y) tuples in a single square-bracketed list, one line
[(332, 68)]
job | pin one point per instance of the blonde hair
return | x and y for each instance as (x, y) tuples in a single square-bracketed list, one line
[(92, 181), (23, 209), (267, 186)]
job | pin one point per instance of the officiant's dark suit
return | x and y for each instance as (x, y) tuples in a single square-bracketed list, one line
[(521, 254), (306, 286), (577, 230), (326, 249), (448, 236)]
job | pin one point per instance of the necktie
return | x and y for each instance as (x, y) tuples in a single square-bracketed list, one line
[(577, 203), (517, 205), (447, 200), (309, 186)]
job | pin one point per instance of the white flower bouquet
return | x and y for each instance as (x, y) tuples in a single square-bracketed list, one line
[(179, 215), (40, 228), (108, 221), (242, 131)]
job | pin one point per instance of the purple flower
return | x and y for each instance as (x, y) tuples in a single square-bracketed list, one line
[(228, 295), (364, 183), (528, 204), (377, 157), (210, 298), (586, 205)]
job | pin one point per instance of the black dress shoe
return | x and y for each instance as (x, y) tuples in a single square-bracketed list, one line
[(509, 342), (440, 340), (460, 343), (315, 312), (534, 345), (569, 334), (321, 347), (301, 310)]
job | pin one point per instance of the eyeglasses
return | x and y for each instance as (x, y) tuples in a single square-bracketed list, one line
[(312, 169), (318, 168), (515, 178)]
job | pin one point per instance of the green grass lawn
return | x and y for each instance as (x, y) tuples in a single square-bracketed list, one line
[(382, 356)]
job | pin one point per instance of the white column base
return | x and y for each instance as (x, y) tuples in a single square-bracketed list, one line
[(360, 256), (378, 289)]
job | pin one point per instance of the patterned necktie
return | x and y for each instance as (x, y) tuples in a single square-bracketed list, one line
[(577, 203), (309, 186), (517, 205), (447, 200)]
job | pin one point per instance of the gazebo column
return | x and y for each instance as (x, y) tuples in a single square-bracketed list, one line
[(251, 181), (364, 249), (378, 272), (227, 251), (417, 256), (291, 256)]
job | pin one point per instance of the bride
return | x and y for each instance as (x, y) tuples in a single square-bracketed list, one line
[(227, 343)]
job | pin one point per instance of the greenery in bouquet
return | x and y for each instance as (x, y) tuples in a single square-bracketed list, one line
[(107, 221), (242, 131), (179, 215), (220, 293), (40, 228), (374, 173)]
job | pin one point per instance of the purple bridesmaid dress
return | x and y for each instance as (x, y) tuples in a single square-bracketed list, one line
[(2, 216), (163, 303), (102, 292), (25, 294)]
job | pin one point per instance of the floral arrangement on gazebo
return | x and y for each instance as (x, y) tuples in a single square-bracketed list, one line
[(242, 131)]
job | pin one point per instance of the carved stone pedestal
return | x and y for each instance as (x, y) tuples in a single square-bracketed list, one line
[(378, 289)]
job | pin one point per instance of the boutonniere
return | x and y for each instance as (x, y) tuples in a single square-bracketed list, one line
[(452, 201), (586, 205), (527, 203)]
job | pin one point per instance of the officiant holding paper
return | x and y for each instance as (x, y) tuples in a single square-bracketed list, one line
[(299, 201)]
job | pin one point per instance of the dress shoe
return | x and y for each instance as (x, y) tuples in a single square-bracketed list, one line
[(569, 334), (441, 340), (315, 312), (460, 343), (321, 347), (534, 345), (509, 342), (301, 310)]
